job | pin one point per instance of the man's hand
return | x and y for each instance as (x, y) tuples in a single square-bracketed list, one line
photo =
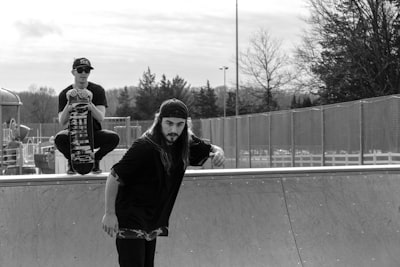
[(110, 224), (217, 156)]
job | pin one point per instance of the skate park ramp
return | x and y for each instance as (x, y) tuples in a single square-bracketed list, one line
[(320, 216)]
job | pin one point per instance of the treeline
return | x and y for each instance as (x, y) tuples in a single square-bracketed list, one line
[(40, 104), (142, 101)]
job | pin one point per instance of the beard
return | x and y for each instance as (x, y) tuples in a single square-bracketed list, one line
[(171, 138)]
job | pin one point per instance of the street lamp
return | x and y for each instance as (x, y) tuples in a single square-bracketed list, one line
[(237, 60), (224, 68)]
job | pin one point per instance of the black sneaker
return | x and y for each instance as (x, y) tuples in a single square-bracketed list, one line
[(96, 168), (70, 170)]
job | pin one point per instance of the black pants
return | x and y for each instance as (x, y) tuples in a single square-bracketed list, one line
[(136, 252), (105, 140)]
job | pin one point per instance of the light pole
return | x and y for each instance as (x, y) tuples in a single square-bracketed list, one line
[(224, 68), (237, 60)]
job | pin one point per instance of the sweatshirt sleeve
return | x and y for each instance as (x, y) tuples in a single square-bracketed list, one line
[(199, 151)]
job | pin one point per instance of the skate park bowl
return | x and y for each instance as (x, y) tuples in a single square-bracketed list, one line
[(312, 216)]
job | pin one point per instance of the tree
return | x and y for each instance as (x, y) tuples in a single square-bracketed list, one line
[(359, 48), (181, 90), (307, 102), (165, 90), (147, 97), (151, 94), (177, 88), (306, 56), (39, 105), (210, 109), (124, 108), (205, 103), (231, 104), (266, 65), (294, 104)]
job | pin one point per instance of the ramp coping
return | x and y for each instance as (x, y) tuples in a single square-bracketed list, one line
[(40, 179)]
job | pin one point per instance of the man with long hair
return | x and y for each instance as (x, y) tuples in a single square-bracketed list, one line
[(142, 187)]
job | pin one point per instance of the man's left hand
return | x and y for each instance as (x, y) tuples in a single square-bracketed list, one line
[(217, 156)]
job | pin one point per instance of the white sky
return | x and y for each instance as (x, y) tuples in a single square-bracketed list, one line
[(39, 39)]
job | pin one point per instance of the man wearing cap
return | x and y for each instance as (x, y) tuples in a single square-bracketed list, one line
[(142, 187), (104, 140)]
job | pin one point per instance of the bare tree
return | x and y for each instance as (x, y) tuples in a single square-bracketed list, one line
[(306, 54), (40, 104), (265, 64), (357, 52)]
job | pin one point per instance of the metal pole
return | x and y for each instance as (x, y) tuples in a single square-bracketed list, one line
[(270, 152), (293, 139), (1, 138), (211, 137), (224, 68), (322, 136), (21, 156), (128, 131), (237, 61), (361, 132), (249, 135), (237, 89)]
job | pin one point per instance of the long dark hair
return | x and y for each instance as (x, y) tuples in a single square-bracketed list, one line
[(154, 133)]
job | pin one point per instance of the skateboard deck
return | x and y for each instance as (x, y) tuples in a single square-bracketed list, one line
[(81, 131)]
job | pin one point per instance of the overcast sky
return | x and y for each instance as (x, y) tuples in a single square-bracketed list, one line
[(122, 38)]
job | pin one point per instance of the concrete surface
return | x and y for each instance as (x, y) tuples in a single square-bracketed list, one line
[(248, 217)]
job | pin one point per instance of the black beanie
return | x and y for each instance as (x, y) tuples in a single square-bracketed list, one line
[(174, 108)]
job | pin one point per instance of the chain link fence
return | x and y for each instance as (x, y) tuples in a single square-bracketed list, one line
[(351, 133)]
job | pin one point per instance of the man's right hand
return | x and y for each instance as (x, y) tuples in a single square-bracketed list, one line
[(110, 224)]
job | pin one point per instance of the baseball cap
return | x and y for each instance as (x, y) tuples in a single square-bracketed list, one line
[(81, 62)]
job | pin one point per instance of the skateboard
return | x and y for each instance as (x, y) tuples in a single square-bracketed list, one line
[(81, 131)]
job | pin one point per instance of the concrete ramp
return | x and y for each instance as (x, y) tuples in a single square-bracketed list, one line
[(346, 219), (247, 217), (230, 221)]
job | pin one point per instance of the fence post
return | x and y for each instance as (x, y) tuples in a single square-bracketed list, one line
[(1, 139), (322, 136), (128, 131), (361, 133), (223, 133), (292, 138), (21, 158), (211, 138), (237, 142), (270, 153), (249, 143), (223, 137)]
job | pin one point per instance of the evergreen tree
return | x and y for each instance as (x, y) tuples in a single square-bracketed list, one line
[(231, 104), (124, 108), (165, 90), (147, 97), (181, 90), (205, 103), (211, 109), (306, 102), (294, 103)]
